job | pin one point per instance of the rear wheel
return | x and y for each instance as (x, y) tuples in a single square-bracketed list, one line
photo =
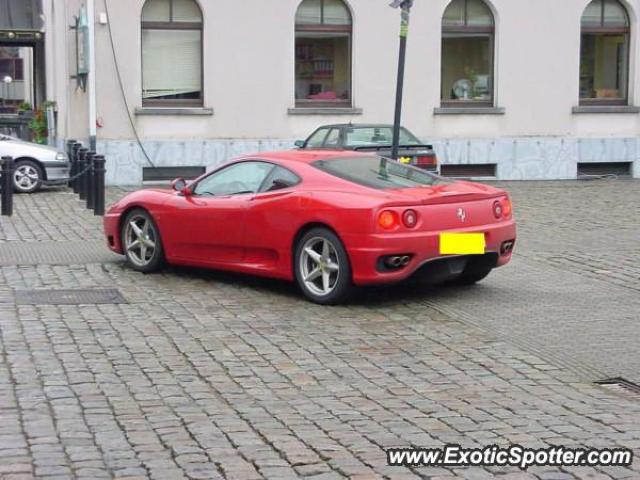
[(322, 267), (27, 176), (141, 242)]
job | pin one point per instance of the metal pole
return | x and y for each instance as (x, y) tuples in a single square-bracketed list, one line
[(82, 180), (99, 172), (7, 186), (405, 12), (90, 181), (75, 164), (91, 16)]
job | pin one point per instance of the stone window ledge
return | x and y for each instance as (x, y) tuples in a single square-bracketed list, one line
[(173, 111), (469, 111), (606, 109), (324, 111)]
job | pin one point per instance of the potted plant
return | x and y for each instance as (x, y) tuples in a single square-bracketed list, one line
[(24, 108), (38, 124)]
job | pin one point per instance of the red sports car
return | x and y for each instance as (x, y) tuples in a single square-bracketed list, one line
[(328, 220)]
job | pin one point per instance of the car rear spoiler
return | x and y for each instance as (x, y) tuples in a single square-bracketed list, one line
[(377, 148)]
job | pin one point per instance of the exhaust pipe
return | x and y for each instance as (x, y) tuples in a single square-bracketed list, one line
[(397, 261)]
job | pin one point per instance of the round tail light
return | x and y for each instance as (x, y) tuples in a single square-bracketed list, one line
[(410, 218), (388, 220), (498, 209), (507, 208)]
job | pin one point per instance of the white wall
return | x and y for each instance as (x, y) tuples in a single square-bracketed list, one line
[(249, 74)]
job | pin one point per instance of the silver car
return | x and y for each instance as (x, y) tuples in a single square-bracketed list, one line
[(34, 164)]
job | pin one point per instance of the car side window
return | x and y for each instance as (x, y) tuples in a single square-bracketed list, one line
[(242, 177), (333, 139), (278, 179), (316, 140)]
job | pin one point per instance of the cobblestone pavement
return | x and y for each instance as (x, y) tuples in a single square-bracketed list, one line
[(200, 374)]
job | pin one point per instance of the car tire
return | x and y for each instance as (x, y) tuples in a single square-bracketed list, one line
[(142, 244), (322, 268), (472, 277), (27, 176)]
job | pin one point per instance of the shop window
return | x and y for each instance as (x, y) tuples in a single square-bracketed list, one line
[(171, 53), (604, 54), (16, 78), (323, 54), (467, 54)]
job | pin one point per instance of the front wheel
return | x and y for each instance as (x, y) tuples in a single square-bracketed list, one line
[(141, 242), (322, 267), (27, 176)]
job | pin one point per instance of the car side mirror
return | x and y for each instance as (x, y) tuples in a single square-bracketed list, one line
[(299, 143), (180, 185)]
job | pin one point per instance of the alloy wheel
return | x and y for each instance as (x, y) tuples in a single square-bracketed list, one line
[(26, 177), (319, 266), (140, 240)]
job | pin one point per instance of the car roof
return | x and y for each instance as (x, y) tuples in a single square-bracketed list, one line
[(305, 156)]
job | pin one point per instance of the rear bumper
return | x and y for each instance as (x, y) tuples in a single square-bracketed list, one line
[(365, 251)]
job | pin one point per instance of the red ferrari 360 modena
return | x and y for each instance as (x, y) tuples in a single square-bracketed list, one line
[(328, 220)]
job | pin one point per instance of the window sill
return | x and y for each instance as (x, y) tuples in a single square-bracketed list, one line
[(469, 111), (324, 111), (173, 111), (606, 109)]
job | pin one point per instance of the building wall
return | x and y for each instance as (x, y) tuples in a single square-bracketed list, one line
[(249, 84)]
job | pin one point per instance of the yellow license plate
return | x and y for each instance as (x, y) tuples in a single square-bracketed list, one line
[(462, 244)]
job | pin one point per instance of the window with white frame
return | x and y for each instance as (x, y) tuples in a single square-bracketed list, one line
[(468, 32), (171, 53)]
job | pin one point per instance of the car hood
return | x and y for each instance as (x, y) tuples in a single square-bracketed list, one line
[(21, 147)]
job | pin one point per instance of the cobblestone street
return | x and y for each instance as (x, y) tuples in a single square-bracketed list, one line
[(200, 374)]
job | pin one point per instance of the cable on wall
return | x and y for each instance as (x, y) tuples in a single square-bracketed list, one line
[(122, 92)]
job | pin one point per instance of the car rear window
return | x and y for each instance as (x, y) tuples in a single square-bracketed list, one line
[(376, 136), (377, 172)]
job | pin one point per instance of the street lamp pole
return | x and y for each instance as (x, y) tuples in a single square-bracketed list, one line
[(6, 81), (405, 11)]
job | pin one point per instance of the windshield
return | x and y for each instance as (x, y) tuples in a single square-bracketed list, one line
[(376, 136), (378, 172)]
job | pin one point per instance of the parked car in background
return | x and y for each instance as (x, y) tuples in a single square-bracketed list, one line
[(34, 164), (372, 138), (327, 220)]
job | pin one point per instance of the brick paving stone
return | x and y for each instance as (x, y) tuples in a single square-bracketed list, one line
[(213, 375)]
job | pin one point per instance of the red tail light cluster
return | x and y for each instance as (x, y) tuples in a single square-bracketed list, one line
[(507, 208), (390, 220), (427, 161), (502, 208)]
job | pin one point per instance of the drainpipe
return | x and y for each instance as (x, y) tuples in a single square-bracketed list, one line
[(91, 79)]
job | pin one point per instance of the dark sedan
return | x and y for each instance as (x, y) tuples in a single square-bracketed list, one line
[(372, 138)]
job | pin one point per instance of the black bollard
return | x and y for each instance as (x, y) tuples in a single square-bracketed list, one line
[(7, 186), (98, 180), (75, 162), (82, 179), (70, 157), (90, 181), (69, 151)]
